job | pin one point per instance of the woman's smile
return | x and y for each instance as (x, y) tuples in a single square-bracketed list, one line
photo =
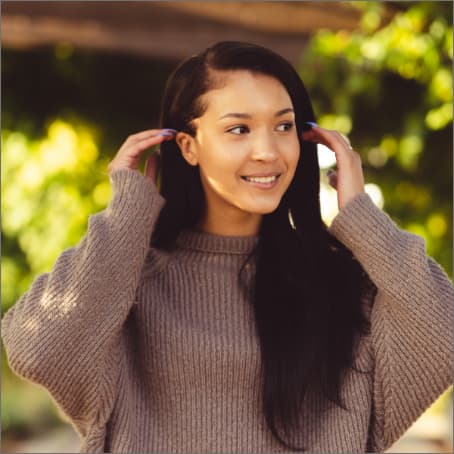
[(262, 182)]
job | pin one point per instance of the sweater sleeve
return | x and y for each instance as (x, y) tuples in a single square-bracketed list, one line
[(60, 332), (411, 317)]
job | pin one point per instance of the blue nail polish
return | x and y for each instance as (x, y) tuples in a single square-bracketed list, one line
[(170, 129), (165, 133), (307, 125)]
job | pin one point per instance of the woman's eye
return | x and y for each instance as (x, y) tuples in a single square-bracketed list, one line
[(287, 125), (238, 127), (242, 128)]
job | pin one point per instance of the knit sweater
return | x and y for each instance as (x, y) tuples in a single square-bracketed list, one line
[(151, 351)]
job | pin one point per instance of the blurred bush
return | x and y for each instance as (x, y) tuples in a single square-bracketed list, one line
[(389, 88)]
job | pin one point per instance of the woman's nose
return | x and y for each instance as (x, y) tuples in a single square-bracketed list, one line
[(264, 148)]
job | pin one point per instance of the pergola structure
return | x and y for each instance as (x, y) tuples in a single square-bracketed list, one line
[(173, 29)]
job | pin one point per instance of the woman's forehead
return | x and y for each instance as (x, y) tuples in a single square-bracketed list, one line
[(239, 94)]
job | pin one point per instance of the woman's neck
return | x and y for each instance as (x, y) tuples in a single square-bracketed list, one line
[(222, 224)]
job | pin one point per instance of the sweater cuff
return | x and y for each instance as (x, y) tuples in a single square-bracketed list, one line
[(360, 225), (133, 196)]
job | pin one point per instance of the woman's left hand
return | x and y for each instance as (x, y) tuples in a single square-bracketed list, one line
[(349, 178)]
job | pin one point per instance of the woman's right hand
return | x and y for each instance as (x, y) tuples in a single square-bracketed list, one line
[(128, 156)]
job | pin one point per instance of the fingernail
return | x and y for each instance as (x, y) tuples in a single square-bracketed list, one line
[(307, 125), (170, 129), (329, 172), (165, 133)]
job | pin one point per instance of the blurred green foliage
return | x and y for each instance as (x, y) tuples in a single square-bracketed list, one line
[(388, 86), (49, 187)]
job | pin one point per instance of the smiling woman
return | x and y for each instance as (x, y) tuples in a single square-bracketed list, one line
[(245, 168), (194, 317)]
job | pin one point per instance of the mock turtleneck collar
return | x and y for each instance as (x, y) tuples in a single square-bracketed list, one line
[(208, 242)]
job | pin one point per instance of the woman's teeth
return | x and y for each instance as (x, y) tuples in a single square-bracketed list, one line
[(261, 179)]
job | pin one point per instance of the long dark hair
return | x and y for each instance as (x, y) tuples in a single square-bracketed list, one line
[(308, 287)]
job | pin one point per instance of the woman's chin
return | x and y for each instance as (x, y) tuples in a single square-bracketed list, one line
[(261, 209)]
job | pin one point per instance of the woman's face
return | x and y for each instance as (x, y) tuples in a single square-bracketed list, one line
[(246, 146)]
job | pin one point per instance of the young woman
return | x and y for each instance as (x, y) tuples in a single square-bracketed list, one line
[(219, 313)]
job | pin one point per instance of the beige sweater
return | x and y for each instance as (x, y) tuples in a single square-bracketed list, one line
[(147, 351)]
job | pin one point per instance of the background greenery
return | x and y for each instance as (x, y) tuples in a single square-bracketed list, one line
[(66, 113)]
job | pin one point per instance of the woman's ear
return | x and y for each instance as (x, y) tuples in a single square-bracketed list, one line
[(187, 146)]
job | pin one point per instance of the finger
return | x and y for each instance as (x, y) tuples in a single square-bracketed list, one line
[(308, 135), (143, 135), (152, 167), (332, 178), (134, 150), (347, 140), (331, 139)]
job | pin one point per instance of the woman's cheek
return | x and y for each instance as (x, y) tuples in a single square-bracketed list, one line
[(292, 163), (294, 153)]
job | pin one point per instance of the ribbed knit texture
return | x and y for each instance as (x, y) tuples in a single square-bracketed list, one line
[(150, 351)]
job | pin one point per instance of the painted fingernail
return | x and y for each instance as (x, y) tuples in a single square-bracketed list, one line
[(329, 172), (308, 125), (165, 133), (170, 129)]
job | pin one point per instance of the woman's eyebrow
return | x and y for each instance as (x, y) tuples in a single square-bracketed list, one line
[(245, 115)]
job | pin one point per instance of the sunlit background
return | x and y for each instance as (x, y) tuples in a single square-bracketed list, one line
[(79, 77)]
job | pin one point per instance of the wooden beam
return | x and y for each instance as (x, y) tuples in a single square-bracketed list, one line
[(172, 29), (278, 17)]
